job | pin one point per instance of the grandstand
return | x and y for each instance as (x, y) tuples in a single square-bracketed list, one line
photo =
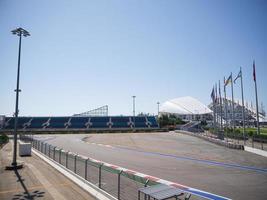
[(250, 112), (81, 123)]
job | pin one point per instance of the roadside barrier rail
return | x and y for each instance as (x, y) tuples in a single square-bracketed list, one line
[(120, 182)]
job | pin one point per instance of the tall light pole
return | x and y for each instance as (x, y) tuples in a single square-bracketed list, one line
[(134, 109), (158, 108), (19, 32)]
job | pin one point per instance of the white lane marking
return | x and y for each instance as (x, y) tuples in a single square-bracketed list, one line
[(101, 145)]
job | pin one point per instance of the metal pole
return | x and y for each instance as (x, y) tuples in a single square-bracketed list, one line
[(233, 109), (54, 153), (119, 184), (75, 163), (99, 176), (85, 170), (256, 93), (67, 155), (59, 159), (220, 105), (226, 109), (14, 163), (243, 107), (158, 108), (134, 110), (214, 115)]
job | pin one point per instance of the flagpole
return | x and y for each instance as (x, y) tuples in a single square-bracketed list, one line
[(214, 120), (220, 104), (243, 108), (233, 114), (215, 110), (256, 93), (226, 108), (225, 102)]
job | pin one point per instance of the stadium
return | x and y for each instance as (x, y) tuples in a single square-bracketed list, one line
[(131, 58)]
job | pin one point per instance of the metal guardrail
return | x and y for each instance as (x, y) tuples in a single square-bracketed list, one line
[(119, 182)]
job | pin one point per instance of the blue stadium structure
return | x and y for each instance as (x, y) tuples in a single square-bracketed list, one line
[(82, 123)]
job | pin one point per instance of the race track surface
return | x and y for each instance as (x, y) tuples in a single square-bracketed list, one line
[(175, 157)]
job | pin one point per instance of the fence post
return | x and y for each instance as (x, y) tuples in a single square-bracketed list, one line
[(59, 157), (54, 153), (49, 150), (261, 144), (42, 146), (85, 169), (99, 175), (67, 158), (252, 141), (45, 148), (146, 186), (119, 184), (75, 159)]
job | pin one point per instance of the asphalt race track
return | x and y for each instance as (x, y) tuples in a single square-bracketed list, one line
[(175, 157)]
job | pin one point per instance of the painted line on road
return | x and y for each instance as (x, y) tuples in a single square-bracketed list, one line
[(74, 178), (102, 145), (187, 189), (210, 162)]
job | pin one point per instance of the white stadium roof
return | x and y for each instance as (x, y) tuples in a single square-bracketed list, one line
[(184, 106)]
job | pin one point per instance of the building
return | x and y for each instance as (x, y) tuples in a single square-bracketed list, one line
[(226, 112), (186, 108)]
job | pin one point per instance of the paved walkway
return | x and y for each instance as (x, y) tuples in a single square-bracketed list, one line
[(37, 180)]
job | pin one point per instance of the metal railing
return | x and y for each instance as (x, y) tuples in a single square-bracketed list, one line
[(118, 183)]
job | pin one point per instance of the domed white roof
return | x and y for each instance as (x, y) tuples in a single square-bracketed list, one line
[(184, 106)]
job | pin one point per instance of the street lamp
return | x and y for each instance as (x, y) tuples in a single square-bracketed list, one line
[(19, 32), (134, 109), (158, 108)]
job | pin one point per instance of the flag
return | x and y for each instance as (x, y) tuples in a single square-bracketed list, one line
[(212, 95), (228, 80), (238, 75), (254, 71)]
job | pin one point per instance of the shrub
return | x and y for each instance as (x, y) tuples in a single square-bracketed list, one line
[(3, 139)]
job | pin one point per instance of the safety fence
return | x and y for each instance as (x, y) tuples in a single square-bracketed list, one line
[(119, 182)]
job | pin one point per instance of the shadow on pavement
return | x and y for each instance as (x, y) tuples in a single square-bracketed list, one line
[(26, 195)]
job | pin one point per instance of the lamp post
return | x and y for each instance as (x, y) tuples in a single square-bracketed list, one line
[(134, 109), (158, 108), (19, 32)]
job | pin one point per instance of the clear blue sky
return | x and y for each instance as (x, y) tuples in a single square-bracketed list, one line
[(85, 54)]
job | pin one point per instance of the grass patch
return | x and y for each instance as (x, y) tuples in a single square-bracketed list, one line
[(263, 131)]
